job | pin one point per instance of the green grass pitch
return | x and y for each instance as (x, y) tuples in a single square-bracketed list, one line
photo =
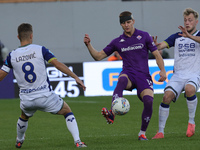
[(49, 132)]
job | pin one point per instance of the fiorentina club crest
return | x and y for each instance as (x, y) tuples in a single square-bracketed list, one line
[(139, 37)]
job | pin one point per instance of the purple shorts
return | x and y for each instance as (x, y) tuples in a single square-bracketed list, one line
[(139, 82)]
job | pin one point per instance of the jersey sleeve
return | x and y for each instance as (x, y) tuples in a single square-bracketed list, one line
[(110, 48), (171, 40), (150, 43), (47, 54), (7, 64)]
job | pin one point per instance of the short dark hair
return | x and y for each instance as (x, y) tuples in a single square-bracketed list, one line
[(124, 16), (125, 13), (24, 31)]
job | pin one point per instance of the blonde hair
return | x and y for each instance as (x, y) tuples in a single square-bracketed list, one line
[(189, 11)]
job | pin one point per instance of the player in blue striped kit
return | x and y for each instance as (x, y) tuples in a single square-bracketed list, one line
[(133, 46), (29, 68), (186, 75)]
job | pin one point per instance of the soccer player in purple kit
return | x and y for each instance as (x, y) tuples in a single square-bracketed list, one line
[(133, 46)]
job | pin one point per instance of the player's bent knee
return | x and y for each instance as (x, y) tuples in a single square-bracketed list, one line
[(167, 99), (189, 92), (65, 109), (24, 116)]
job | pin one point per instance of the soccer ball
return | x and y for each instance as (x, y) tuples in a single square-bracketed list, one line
[(120, 106)]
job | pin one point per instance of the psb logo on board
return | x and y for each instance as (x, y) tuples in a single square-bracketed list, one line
[(110, 77)]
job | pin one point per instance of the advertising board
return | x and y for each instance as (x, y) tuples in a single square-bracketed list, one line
[(101, 78)]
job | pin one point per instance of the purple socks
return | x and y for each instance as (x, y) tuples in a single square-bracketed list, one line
[(121, 85), (147, 101), (147, 111)]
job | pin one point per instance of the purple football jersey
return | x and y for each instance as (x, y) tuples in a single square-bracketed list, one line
[(134, 51)]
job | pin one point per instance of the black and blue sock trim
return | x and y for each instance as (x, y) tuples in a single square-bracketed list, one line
[(164, 105), (68, 114), (24, 120), (192, 98)]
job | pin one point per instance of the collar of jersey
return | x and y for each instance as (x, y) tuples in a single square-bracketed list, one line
[(24, 45), (131, 35), (195, 32)]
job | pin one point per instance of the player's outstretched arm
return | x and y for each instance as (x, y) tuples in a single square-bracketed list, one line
[(3, 74), (161, 45), (160, 63), (93, 52), (63, 68)]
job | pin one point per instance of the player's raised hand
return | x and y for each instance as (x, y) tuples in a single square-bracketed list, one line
[(184, 32), (80, 83), (87, 39), (155, 40)]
